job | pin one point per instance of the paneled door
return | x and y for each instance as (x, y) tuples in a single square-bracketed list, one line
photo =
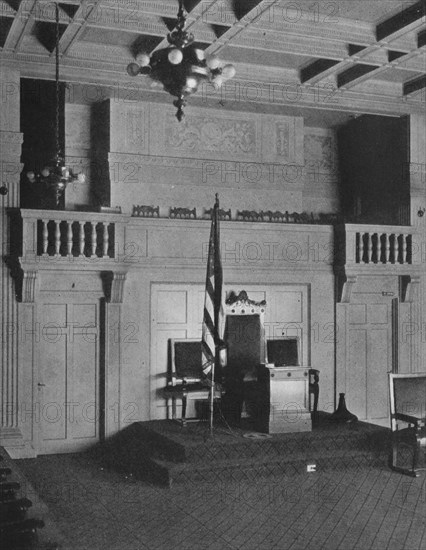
[(67, 383), (369, 359)]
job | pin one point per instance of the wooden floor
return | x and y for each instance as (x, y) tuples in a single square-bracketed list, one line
[(358, 509)]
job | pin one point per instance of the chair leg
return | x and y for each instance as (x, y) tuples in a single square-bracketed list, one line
[(184, 409), (316, 394)]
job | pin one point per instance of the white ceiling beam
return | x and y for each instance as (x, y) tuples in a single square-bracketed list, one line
[(19, 26)]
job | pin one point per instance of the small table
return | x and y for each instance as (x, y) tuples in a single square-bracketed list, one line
[(288, 399)]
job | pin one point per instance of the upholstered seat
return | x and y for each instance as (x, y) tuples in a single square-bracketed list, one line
[(186, 381)]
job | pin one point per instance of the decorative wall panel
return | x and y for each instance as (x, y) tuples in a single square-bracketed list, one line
[(212, 135)]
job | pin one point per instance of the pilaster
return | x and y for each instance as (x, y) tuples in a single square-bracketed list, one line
[(114, 293), (10, 169)]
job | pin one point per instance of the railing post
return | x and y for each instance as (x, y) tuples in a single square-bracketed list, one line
[(69, 237), (361, 247), (105, 243), (387, 248), (82, 238), (404, 249), (395, 248), (57, 237), (45, 236), (93, 238), (369, 247)]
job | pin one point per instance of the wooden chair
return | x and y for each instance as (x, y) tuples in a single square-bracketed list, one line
[(246, 351), (186, 380), (408, 418)]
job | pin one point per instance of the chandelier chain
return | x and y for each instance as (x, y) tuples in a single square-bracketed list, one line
[(57, 90)]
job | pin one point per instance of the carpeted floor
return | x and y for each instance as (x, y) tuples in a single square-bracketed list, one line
[(358, 509)]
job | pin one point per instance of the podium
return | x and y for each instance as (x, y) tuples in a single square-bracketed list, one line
[(286, 399)]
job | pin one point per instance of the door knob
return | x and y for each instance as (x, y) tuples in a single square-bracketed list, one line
[(40, 385)]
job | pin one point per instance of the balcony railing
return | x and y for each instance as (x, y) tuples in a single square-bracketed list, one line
[(373, 245), (68, 234)]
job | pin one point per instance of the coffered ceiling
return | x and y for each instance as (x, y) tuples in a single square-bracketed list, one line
[(323, 59)]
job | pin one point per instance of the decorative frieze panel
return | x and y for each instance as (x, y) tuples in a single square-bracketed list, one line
[(130, 129), (282, 137), (213, 136), (320, 150), (77, 127)]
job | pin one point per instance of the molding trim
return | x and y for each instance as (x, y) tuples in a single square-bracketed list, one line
[(346, 284), (410, 286), (29, 286), (114, 286)]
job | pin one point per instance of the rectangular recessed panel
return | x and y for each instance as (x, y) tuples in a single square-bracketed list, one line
[(353, 73), (378, 366), (414, 85), (357, 314), (289, 307), (172, 306), (353, 49), (356, 375), (401, 20), (5, 24), (393, 54), (377, 314), (316, 68)]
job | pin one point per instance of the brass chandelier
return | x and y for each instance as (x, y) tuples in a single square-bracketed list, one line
[(181, 67), (55, 175)]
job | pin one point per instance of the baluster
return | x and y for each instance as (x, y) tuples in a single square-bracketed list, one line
[(45, 237), (106, 239), (376, 247), (404, 249), (82, 239), (387, 248), (93, 238), (395, 248), (369, 247), (57, 237), (69, 237), (360, 247)]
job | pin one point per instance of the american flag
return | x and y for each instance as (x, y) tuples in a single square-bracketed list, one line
[(213, 317)]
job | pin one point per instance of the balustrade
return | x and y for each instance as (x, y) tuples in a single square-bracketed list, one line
[(375, 245), (70, 234)]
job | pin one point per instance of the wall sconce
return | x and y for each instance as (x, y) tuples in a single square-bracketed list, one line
[(421, 212)]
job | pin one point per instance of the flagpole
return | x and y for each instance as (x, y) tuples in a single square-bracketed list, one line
[(211, 334), (212, 401), (216, 217)]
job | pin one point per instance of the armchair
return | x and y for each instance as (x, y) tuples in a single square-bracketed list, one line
[(186, 380), (408, 421)]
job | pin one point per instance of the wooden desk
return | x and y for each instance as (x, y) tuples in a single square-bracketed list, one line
[(288, 391)]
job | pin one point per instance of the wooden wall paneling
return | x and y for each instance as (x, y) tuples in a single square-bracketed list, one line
[(356, 373)]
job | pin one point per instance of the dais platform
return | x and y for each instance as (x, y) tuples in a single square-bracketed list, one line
[(165, 452)]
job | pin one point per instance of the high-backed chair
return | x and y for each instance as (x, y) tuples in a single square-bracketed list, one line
[(186, 382), (245, 344), (408, 420)]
